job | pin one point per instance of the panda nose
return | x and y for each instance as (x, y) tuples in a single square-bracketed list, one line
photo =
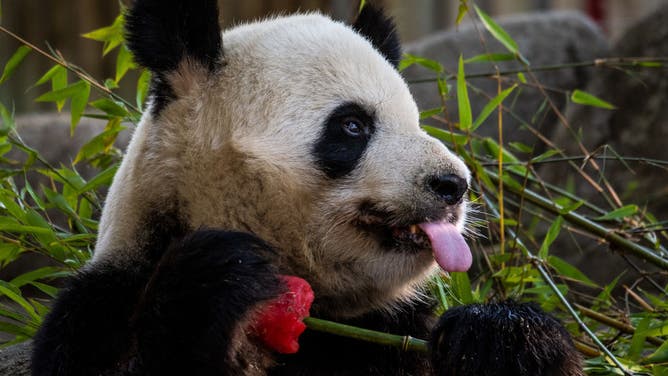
[(449, 188)]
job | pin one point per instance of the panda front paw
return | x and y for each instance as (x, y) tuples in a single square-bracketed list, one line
[(506, 338), (199, 301)]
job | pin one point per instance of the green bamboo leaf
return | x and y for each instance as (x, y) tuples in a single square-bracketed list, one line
[(9, 201), (544, 156), (460, 285), (8, 123), (582, 97), (111, 35), (650, 64), (493, 147), (463, 103), (58, 77), (14, 329), (47, 289), (446, 136), (569, 208), (5, 147), (443, 87), (110, 107), (430, 112), (568, 270), (520, 147), (499, 34), (622, 212), (8, 253), (521, 77), (78, 105), (123, 63), (660, 330), (59, 201), (658, 356), (11, 314), (110, 84), (41, 309), (461, 12), (41, 273), (48, 76), (85, 209), (142, 87), (99, 144), (18, 228), (14, 62), (491, 106), (489, 58), (438, 291), (638, 339), (550, 237), (103, 178), (61, 94), (409, 60), (14, 294), (362, 4)]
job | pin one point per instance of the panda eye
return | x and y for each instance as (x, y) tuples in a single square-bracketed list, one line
[(354, 127)]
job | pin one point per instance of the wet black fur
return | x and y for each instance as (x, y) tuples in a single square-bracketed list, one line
[(176, 318), (381, 31), (502, 339)]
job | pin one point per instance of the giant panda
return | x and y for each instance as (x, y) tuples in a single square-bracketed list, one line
[(289, 146)]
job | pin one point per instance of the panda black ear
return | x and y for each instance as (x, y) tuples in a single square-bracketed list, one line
[(381, 31), (161, 33)]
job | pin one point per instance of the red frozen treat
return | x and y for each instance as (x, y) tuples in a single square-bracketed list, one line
[(279, 324)]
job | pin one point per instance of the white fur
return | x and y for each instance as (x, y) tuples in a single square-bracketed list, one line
[(235, 150)]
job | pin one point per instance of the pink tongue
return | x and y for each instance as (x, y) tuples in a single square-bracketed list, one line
[(450, 249)]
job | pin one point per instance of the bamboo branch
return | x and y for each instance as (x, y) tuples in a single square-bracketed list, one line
[(622, 327), (405, 343), (603, 62), (77, 71), (582, 222)]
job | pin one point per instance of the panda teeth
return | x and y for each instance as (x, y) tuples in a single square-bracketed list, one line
[(410, 234)]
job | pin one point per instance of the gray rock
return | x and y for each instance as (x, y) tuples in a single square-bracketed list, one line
[(15, 360), (545, 39), (639, 126)]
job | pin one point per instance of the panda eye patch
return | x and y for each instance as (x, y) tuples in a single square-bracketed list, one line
[(346, 134)]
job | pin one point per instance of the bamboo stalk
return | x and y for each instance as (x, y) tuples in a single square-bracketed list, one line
[(406, 343), (586, 349)]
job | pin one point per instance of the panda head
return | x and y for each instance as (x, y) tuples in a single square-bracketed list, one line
[(299, 130)]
